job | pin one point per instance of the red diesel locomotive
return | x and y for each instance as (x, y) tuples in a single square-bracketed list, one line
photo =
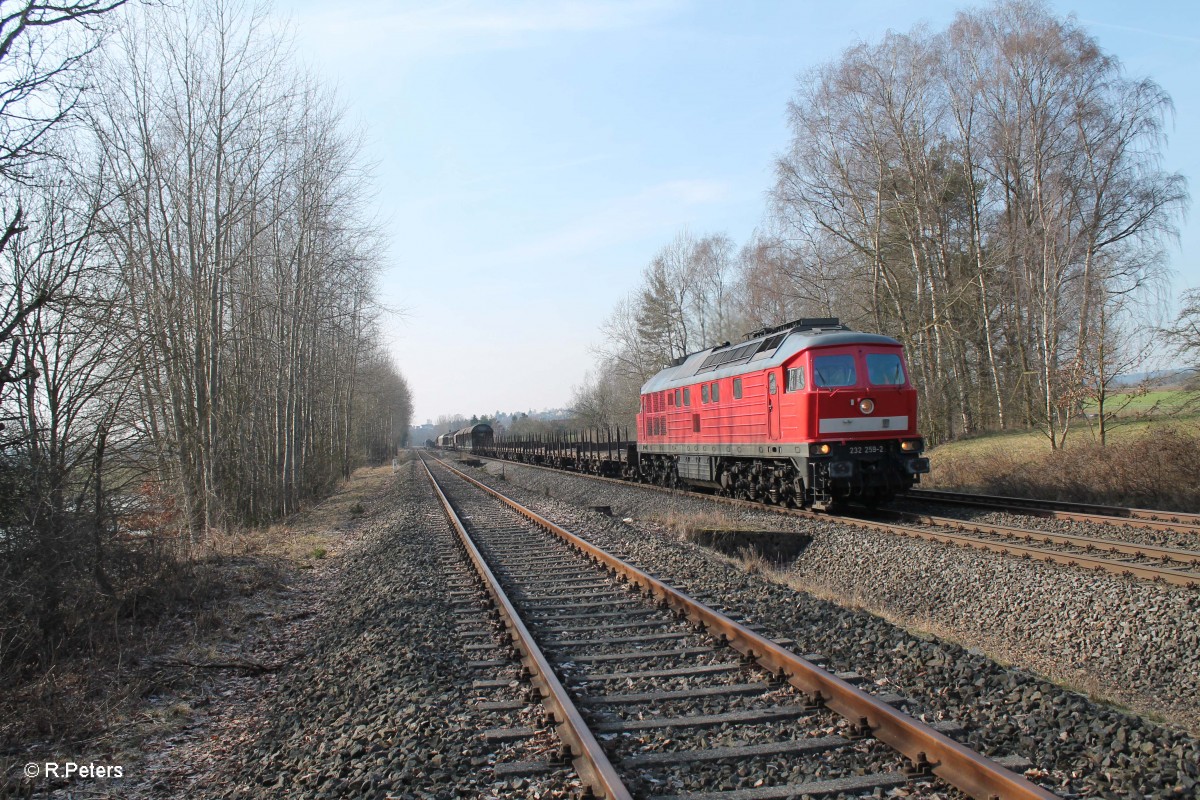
[(810, 413)]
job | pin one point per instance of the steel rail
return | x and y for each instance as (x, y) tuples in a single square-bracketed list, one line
[(970, 772), (1025, 534), (1151, 519), (587, 756), (1150, 573), (1145, 572)]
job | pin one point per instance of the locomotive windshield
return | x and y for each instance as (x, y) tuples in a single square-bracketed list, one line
[(833, 371), (883, 369)]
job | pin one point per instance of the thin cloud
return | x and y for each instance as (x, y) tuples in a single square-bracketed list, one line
[(1175, 37), (457, 28), (480, 188), (655, 208)]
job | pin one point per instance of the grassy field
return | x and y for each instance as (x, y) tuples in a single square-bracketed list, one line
[(1157, 403), (1152, 458)]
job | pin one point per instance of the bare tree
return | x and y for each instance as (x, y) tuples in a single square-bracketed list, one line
[(1184, 333), (188, 312), (981, 191), (43, 47), (58, 384), (238, 219), (1072, 146), (606, 400), (72, 390)]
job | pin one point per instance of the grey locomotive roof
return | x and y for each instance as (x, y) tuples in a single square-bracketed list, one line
[(706, 365), (482, 427)]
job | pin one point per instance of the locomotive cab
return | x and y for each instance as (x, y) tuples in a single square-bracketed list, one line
[(861, 417)]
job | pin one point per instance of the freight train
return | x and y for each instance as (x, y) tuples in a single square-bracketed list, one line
[(810, 414)]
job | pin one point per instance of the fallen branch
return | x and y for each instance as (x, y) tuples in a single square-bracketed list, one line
[(254, 667)]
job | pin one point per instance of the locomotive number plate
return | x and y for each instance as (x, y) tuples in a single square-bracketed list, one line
[(866, 449)]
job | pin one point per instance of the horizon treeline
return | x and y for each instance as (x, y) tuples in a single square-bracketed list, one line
[(991, 195), (188, 302)]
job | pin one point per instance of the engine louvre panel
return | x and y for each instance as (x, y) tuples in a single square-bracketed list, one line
[(695, 468)]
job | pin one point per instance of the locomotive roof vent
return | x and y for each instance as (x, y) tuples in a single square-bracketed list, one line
[(804, 323), (758, 344)]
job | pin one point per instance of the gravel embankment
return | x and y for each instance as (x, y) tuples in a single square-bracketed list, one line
[(1117, 637), (382, 704)]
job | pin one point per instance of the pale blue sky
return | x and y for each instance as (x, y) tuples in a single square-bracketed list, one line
[(531, 157)]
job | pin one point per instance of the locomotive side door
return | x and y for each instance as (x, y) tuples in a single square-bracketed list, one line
[(772, 406)]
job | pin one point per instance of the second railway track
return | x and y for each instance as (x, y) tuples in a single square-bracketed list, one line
[(658, 695), (1144, 561), (1138, 560), (1174, 521)]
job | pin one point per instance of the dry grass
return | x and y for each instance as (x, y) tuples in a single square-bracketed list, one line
[(685, 524), (753, 562), (298, 539), (224, 592), (1156, 468)]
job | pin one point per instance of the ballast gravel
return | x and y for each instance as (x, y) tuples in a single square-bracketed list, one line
[(383, 703), (511, 550), (1114, 637)]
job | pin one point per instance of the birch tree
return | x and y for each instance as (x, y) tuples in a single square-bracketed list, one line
[(988, 189), (239, 222)]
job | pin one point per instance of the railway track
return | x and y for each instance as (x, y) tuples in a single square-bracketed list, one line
[(1176, 566), (1147, 562), (1174, 521), (657, 695)]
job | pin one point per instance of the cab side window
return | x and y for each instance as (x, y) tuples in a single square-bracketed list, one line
[(704, 393), (687, 396), (737, 388), (795, 380), (771, 385), (716, 395)]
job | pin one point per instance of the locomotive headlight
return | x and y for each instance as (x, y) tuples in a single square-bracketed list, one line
[(866, 406), (909, 444), (823, 449)]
